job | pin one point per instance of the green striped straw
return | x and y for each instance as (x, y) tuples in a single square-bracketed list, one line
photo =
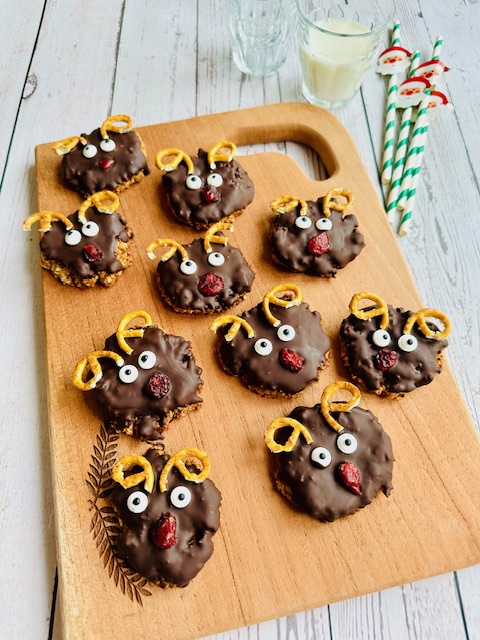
[(389, 133)]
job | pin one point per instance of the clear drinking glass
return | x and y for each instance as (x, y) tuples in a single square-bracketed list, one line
[(261, 33), (338, 42)]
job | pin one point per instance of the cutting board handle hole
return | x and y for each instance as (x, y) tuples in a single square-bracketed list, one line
[(305, 156)]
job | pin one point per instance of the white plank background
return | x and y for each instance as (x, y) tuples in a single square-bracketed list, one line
[(64, 67)]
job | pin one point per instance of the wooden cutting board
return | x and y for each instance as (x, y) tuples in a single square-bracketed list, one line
[(269, 560)]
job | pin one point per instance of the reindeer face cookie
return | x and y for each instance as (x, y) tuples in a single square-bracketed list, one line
[(112, 157), (199, 277), (83, 250), (274, 352), (336, 459), (315, 237), (169, 511), (389, 350), (143, 384), (204, 190)]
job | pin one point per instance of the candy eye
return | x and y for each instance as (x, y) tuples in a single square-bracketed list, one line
[(347, 443), (303, 222), (321, 456), (193, 182), (137, 502), (128, 374), (263, 347), (90, 229), (381, 338), (286, 332), (215, 180), (188, 267), (89, 151), (407, 343), (147, 360), (216, 259), (181, 497), (107, 145), (73, 237), (324, 224)]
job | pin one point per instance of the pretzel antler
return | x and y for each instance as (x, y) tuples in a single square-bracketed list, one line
[(214, 156), (298, 429), (284, 204), (166, 242), (91, 363), (272, 298), (211, 236), (381, 310), (45, 218), (98, 201), (67, 144), (178, 460), (420, 319), (123, 332), (329, 202), (179, 156), (236, 323), (109, 125), (328, 407), (129, 462)]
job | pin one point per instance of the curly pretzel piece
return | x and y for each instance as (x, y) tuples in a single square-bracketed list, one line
[(329, 202), (420, 319), (166, 242), (236, 323), (298, 429), (211, 237), (129, 462), (214, 156), (178, 460), (65, 146), (123, 332), (109, 125), (272, 298), (98, 201), (328, 407), (179, 156), (91, 363), (45, 218), (284, 204), (381, 310)]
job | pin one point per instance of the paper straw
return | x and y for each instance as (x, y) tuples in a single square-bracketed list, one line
[(437, 48), (389, 133), (406, 218)]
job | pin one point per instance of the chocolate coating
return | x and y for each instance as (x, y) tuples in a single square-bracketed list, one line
[(265, 374), (317, 490), (182, 292), (412, 369), (290, 243), (87, 176), (191, 207), (195, 526), (128, 406)]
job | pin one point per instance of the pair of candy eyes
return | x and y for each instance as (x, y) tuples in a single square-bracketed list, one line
[(264, 347), (406, 342), (194, 182), (322, 224), (89, 229), (346, 443), (180, 497), (129, 373), (189, 267), (90, 150)]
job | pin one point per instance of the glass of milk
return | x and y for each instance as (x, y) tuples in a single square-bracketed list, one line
[(338, 42)]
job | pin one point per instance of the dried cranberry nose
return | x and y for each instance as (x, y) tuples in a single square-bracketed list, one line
[(164, 532), (319, 244), (107, 163), (385, 359), (210, 193), (210, 285), (291, 360), (349, 476), (92, 253), (158, 386)]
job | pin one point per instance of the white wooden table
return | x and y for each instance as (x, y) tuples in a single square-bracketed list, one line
[(66, 65)]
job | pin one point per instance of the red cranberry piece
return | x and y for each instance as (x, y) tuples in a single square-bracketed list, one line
[(319, 244), (164, 531), (210, 284), (385, 359), (349, 475), (158, 386), (107, 163), (210, 193), (92, 253), (291, 360)]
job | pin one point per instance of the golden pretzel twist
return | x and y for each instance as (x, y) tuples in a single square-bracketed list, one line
[(179, 156), (98, 200), (284, 204), (329, 203), (236, 323), (178, 460), (214, 156), (129, 462), (65, 146), (123, 332), (211, 237), (272, 298), (109, 125), (166, 242), (91, 363), (298, 429), (381, 310), (420, 319), (45, 218), (328, 407)]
